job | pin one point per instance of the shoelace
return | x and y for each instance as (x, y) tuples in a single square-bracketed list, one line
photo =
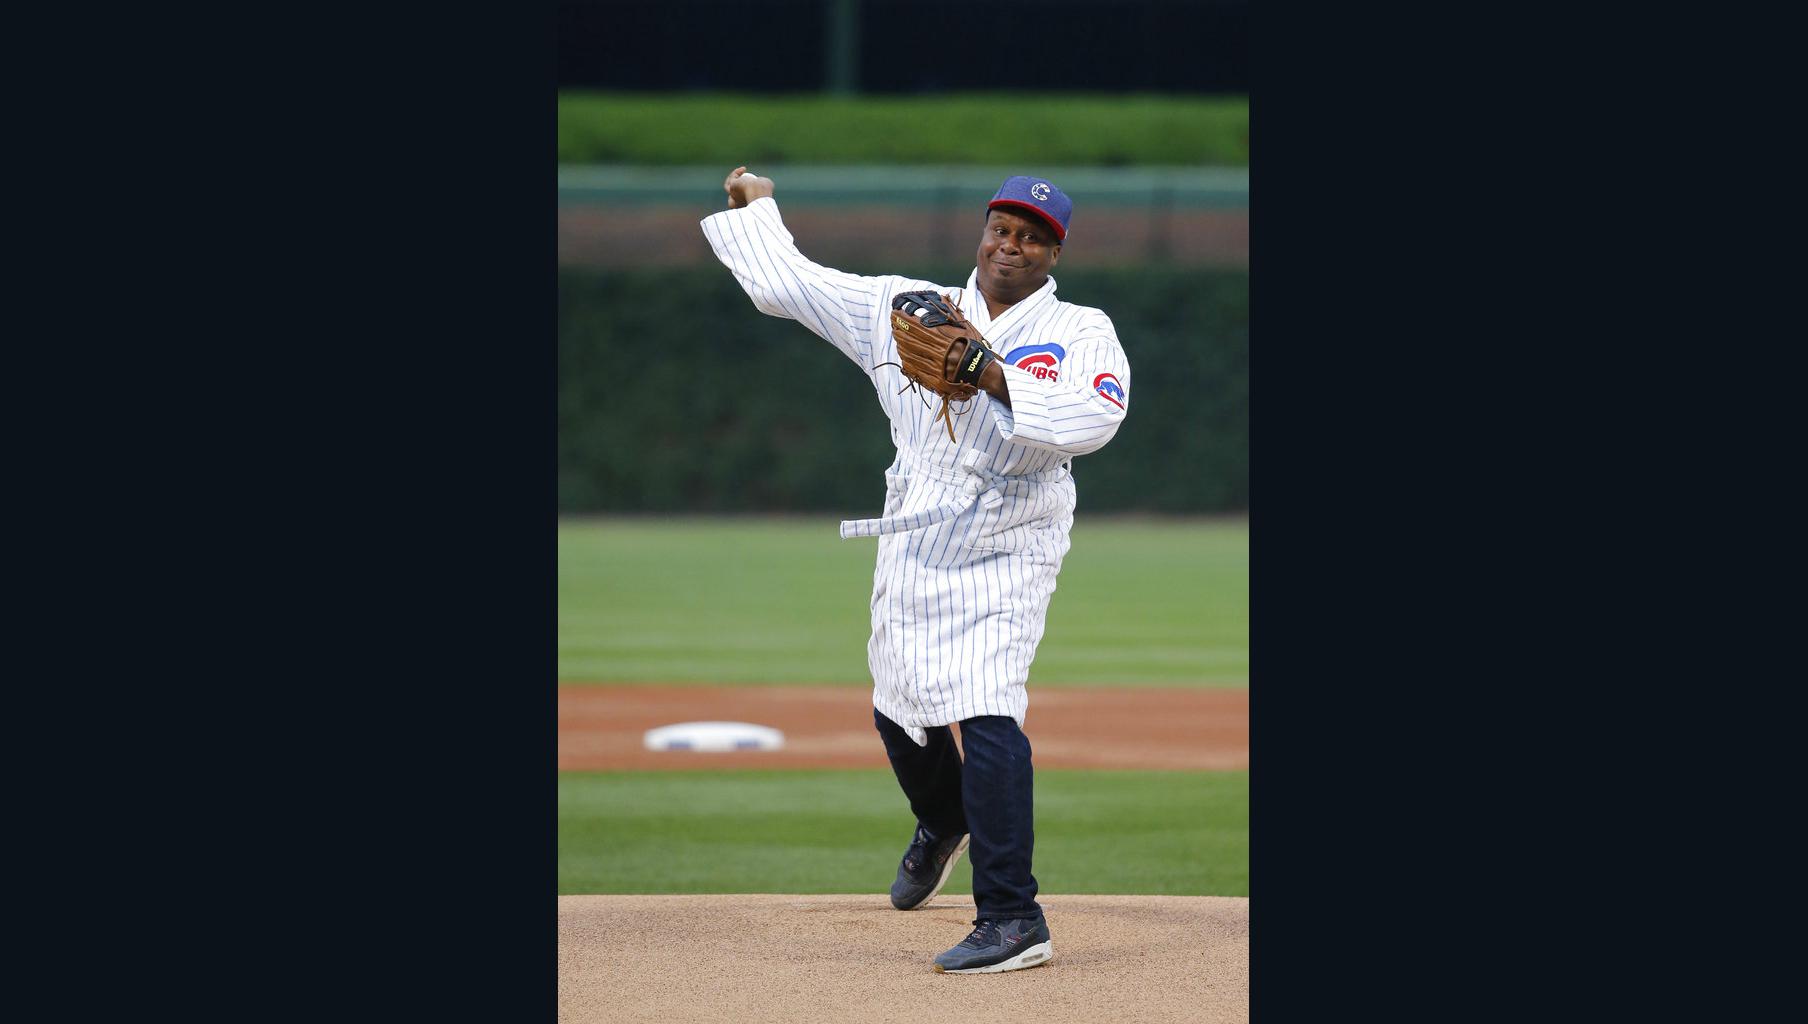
[(982, 934), (918, 853), (921, 847)]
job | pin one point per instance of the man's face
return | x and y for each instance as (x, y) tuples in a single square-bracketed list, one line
[(1016, 252)]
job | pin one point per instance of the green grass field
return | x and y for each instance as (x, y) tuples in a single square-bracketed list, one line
[(752, 601), (1145, 603), (1178, 833)]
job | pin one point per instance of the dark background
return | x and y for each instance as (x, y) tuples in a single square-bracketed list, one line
[(399, 451), (907, 45)]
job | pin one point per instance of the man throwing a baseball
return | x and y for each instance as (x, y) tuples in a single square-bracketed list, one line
[(992, 388)]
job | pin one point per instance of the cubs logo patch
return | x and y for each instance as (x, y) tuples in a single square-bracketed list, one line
[(1042, 362), (1109, 389)]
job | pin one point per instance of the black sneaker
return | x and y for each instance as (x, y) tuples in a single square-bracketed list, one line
[(998, 946), (927, 863)]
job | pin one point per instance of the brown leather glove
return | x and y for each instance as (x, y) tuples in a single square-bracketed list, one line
[(938, 348)]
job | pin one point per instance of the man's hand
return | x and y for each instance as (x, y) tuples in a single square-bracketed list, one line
[(744, 188), (991, 380)]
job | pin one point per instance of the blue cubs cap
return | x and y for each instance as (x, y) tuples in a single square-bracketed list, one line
[(1040, 197)]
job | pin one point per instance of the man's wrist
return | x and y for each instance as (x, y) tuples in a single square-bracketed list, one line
[(992, 382)]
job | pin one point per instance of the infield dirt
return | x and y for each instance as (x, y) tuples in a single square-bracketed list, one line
[(841, 959), (853, 959), (601, 727)]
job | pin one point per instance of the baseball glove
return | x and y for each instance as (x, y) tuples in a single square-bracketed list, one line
[(927, 328)]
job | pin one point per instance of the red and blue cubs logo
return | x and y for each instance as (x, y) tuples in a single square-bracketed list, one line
[(1042, 362), (1106, 384)]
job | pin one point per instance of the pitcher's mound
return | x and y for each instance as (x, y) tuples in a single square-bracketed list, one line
[(836, 959)]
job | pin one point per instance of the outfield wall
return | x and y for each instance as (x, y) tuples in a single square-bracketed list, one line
[(676, 395), (871, 218)]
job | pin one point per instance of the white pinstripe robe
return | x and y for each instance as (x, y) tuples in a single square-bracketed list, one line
[(961, 589)]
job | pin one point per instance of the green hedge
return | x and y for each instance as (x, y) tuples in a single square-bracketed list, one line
[(676, 395), (984, 128)]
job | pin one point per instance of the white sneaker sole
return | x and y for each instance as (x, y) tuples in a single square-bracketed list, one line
[(947, 869), (1040, 953)]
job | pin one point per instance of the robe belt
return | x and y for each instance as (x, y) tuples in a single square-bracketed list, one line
[(977, 487)]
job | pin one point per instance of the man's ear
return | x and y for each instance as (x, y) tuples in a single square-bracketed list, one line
[(1054, 256)]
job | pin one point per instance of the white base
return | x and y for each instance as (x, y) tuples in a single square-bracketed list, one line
[(1040, 953), (713, 737)]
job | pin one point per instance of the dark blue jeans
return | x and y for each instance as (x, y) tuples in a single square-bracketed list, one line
[(990, 796)]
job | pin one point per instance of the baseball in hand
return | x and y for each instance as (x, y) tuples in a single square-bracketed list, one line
[(744, 188)]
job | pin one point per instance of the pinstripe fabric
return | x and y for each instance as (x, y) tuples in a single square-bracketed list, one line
[(973, 489), (973, 531)]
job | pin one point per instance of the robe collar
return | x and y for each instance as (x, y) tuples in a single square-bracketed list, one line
[(974, 305)]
